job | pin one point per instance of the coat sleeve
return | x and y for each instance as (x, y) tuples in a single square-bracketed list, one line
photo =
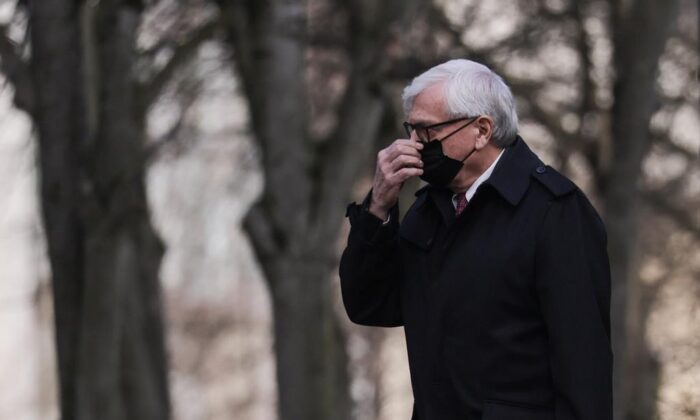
[(369, 269), (573, 285)]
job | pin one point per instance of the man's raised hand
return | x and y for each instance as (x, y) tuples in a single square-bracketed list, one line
[(395, 164)]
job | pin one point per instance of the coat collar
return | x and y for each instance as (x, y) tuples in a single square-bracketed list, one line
[(511, 176)]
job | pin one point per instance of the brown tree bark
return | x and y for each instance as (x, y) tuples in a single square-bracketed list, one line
[(104, 254), (640, 30), (58, 116)]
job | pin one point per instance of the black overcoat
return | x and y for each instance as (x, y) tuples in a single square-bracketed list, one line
[(506, 308)]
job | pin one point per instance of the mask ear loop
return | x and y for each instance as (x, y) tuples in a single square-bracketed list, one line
[(470, 153), (465, 125)]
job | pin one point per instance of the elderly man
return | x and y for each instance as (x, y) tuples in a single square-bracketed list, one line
[(498, 272)]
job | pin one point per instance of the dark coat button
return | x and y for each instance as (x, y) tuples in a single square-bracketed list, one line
[(540, 169)]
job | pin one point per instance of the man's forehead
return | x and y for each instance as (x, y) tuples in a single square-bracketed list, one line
[(428, 106)]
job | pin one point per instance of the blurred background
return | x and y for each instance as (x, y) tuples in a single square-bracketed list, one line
[(174, 176)]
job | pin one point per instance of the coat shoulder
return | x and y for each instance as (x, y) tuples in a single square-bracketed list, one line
[(556, 183)]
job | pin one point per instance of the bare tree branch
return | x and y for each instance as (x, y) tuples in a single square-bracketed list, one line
[(663, 140), (269, 42), (261, 234), (241, 21), (16, 70), (659, 201), (182, 55), (187, 95), (570, 142)]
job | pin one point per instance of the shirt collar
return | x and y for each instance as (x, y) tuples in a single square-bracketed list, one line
[(480, 180)]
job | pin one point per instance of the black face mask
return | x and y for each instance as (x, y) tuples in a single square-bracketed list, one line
[(439, 169)]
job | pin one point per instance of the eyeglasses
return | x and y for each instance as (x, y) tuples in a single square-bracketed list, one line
[(423, 131)]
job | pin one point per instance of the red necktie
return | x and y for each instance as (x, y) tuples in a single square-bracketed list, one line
[(461, 204)]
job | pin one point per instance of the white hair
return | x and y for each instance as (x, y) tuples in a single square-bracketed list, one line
[(470, 89)]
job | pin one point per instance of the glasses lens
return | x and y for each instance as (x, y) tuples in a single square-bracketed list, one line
[(423, 134)]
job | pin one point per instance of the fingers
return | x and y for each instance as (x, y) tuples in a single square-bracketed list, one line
[(395, 164), (405, 173), (403, 147), (402, 153), (406, 161), (398, 149)]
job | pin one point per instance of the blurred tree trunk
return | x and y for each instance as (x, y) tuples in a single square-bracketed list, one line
[(294, 228), (58, 116), (640, 29), (103, 251)]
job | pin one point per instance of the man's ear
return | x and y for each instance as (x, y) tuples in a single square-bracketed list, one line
[(485, 126)]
